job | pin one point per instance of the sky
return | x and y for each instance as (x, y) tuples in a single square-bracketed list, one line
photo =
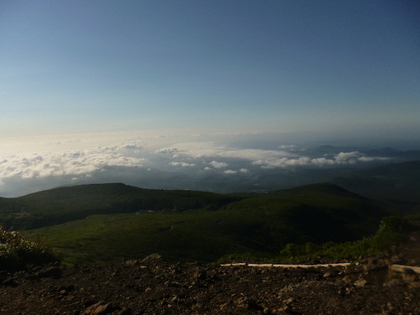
[(82, 75)]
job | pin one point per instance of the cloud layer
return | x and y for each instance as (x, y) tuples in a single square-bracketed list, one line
[(74, 163), (130, 162)]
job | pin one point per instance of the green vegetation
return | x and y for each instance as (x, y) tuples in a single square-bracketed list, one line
[(16, 252), (97, 223), (67, 204), (389, 234), (258, 225), (394, 182)]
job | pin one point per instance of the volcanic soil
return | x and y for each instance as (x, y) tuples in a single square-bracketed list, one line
[(153, 286)]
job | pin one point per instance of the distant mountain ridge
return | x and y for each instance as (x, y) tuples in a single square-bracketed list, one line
[(322, 188), (63, 204), (394, 181)]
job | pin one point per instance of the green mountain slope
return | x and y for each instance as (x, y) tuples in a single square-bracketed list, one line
[(398, 183), (66, 204), (260, 224)]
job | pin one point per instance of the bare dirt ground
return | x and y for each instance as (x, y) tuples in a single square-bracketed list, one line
[(152, 286)]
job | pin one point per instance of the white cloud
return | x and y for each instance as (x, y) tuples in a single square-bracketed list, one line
[(341, 158), (322, 161), (216, 164), (78, 163), (183, 164), (167, 150), (209, 150), (125, 161), (132, 147), (347, 157), (304, 160), (371, 159), (66, 163)]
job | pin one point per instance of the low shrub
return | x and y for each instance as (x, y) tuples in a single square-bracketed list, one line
[(16, 252), (390, 233)]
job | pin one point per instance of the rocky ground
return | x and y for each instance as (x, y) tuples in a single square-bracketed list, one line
[(152, 286)]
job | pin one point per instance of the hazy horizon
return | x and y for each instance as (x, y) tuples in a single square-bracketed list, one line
[(200, 162)]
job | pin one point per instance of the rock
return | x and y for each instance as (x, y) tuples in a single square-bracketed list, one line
[(410, 277), (200, 275), (394, 283), (99, 309), (375, 264), (125, 311), (347, 279), (10, 282), (31, 277), (372, 261), (67, 288), (173, 284), (250, 304), (53, 272), (352, 269), (152, 258), (330, 273), (408, 271), (415, 284), (360, 282), (396, 259), (132, 262), (284, 310)]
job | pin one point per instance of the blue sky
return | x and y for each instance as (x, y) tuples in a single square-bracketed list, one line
[(136, 91), (209, 66)]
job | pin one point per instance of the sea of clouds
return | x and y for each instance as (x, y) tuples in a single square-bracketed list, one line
[(132, 160)]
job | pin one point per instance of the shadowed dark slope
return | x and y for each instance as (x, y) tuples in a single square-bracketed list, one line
[(65, 204), (213, 226)]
